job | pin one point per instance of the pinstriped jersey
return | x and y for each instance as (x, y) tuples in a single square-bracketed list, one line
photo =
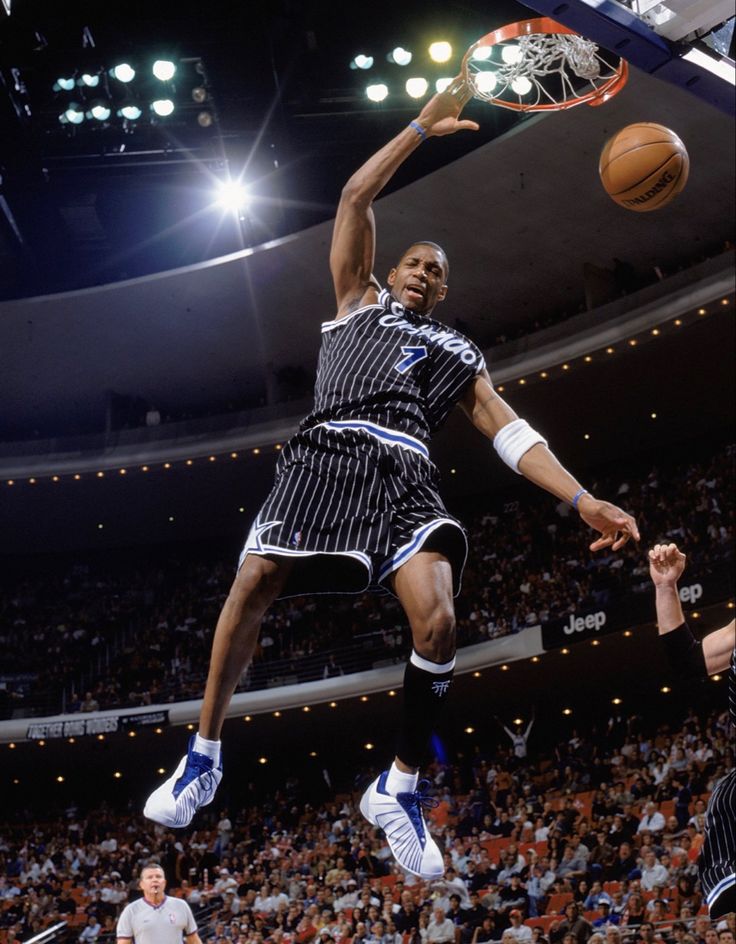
[(392, 366)]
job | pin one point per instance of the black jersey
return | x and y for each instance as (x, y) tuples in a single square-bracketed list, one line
[(393, 367)]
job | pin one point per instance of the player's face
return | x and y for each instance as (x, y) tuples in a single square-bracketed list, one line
[(418, 281)]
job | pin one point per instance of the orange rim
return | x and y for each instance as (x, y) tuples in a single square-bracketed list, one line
[(597, 96)]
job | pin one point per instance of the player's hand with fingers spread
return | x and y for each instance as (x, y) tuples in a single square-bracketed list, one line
[(666, 564), (441, 114), (615, 525)]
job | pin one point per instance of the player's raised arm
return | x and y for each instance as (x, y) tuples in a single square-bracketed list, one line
[(525, 451), (687, 656), (353, 238)]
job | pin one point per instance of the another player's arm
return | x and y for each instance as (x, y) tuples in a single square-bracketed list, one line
[(687, 656), (490, 414), (354, 236)]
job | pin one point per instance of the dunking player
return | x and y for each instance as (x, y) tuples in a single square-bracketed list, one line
[(355, 503), (693, 659)]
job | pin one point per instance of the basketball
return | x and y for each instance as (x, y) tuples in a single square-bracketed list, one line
[(643, 166)]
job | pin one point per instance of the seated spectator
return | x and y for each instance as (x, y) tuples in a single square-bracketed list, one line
[(517, 932), (440, 930), (573, 923), (653, 873), (652, 821)]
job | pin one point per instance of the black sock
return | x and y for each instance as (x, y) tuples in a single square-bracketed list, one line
[(426, 687)]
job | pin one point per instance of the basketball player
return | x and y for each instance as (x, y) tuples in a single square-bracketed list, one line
[(356, 501), (156, 918), (693, 659)]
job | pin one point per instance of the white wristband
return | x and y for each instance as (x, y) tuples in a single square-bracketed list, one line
[(515, 439)]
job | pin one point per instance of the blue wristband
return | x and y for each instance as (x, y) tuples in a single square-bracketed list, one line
[(578, 496), (419, 129)]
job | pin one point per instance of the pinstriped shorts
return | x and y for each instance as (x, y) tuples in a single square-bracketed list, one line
[(717, 862), (351, 503)]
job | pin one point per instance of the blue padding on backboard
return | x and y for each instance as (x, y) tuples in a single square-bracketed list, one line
[(708, 87), (610, 25)]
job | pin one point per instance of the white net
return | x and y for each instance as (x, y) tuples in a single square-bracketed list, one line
[(537, 68)]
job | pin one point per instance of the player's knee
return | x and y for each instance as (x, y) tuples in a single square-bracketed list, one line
[(258, 582), (434, 636)]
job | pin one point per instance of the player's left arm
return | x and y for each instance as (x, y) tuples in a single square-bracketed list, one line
[(193, 938), (527, 453)]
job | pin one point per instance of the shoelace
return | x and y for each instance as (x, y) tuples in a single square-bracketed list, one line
[(414, 803)]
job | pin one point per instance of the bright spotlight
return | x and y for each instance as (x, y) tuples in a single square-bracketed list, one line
[(123, 72), (100, 111), (400, 56), (130, 112), (377, 93), (162, 107), (482, 53), (521, 85), (63, 85), (233, 195), (164, 69), (511, 54), (417, 86), (91, 81), (73, 114), (485, 81), (362, 61), (440, 52), (441, 84)]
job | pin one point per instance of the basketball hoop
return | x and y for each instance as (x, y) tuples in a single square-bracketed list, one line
[(539, 65)]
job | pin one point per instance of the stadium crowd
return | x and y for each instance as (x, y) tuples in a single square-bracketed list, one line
[(90, 638), (592, 842)]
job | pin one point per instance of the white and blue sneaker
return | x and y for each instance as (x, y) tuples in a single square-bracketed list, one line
[(402, 820), (190, 787)]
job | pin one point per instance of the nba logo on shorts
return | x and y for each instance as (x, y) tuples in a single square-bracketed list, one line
[(296, 538)]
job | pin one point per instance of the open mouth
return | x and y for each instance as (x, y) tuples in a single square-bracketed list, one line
[(415, 292)]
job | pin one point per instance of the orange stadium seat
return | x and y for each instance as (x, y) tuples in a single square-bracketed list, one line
[(557, 902)]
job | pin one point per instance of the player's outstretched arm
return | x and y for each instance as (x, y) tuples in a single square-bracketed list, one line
[(666, 566), (526, 452), (353, 239)]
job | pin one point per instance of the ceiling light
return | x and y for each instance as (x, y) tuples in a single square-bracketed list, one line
[(665, 689), (482, 53), (163, 107), (511, 54), (130, 112), (567, 711), (361, 61), (164, 69), (63, 85), (469, 730), (199, 94), (233, 195), (91, 81), (441, 84), (400, 56), (616, 701), (368, 746), (262, 760), (440, 51), (417, 86), (123, 72), (521, 85), (73, 114), (485, 81)]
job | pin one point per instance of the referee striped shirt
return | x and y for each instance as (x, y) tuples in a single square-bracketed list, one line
[(393, 367)]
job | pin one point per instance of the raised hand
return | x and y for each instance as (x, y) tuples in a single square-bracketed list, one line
[(441, 114), (615, 525), (666, 564)]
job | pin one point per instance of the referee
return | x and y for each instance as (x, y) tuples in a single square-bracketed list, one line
[(693, 659), (156, 918)]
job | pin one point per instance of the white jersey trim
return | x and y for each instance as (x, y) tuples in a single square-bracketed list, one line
[(339, 322), (412, 547)]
